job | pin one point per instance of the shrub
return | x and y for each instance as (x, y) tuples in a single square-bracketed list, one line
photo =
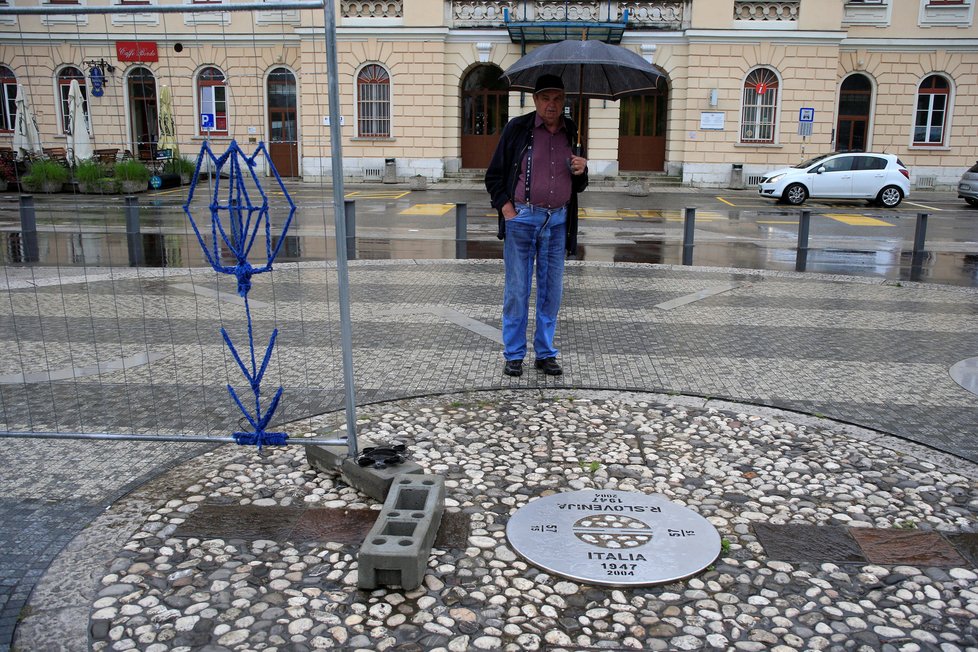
[(44, 171), (179, 165), (90, 172), (131, 171)]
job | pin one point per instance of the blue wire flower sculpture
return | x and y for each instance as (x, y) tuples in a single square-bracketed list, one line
[(235, 224)]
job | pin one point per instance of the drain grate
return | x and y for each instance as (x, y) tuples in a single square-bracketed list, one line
[(373, 174), (754, 179)]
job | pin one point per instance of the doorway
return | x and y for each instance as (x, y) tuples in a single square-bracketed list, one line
[(143, 113), (485, 111), (855, 102), (642, 130), (283, 122)]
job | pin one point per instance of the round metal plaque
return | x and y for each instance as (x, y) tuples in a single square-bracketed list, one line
[(615, 538)]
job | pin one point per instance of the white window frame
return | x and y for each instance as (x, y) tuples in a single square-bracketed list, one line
[(389, 101), (946, 15), (202, 103), (948, 112), (61, 95)]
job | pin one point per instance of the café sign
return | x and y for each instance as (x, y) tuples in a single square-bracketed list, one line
[(139, 51), (613, 538)]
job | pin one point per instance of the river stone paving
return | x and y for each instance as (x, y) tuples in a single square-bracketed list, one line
[(738, 466)]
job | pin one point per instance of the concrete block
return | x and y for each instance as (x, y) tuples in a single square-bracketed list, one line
[(396, 550), (335, 459)]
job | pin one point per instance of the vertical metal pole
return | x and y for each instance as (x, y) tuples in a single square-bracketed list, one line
[(689, 222), (350, 213), (461, 230), (134, 239), (804, 226), (28, 229), (919, 253), (342, 273)]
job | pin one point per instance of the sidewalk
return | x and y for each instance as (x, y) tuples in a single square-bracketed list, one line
[(771, 401)]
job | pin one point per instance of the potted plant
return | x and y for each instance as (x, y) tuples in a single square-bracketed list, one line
[(46, 175), (131, 176), (181, 166), (92, 177)]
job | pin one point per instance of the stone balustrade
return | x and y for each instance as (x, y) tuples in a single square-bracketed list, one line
[(766, 11), (665, 14)]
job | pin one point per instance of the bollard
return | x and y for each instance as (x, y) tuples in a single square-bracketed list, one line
[(28, 229), (804, 226), (688, 225), (461, 230), (919, 253), (134, 239), (350, 215)]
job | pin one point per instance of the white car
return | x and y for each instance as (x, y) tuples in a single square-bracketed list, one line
[(968, 186), (879, 178)]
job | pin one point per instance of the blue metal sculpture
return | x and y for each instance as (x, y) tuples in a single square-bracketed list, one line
[(244, 221)]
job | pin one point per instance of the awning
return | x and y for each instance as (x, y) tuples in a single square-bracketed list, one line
[(552, 31)]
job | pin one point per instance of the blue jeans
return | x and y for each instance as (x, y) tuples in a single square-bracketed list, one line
[(535, 234)]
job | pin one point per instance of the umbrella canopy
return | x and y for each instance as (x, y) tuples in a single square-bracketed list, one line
[(79, 137), (588, 68), (167, 132), (27, 139)]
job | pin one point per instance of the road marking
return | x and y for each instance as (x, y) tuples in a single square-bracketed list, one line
[(69, 373), (857, 220), (428, 209), (376, 194), (725, 201), (226, 297), (456, 317), (930, 208), (777, 221), (696, 296)]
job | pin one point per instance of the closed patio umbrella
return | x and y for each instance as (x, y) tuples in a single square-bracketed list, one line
[(167, 131), (27, 139), (79, 136)]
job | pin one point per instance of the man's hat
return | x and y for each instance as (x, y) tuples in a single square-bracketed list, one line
[(548, 83)]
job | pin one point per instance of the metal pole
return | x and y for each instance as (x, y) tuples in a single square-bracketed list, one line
[(461, 230), (804, 226), (28, 230), (919, 253), (342, 272), (350, 213), (688, 225), (103, 436), (134, 239)]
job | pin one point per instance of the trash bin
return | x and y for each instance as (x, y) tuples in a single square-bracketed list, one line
[(390, 170), (737, 176)]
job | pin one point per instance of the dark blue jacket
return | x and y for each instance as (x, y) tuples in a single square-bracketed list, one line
[(504, 172)]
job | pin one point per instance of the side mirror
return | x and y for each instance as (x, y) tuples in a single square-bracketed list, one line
[(820, 170)]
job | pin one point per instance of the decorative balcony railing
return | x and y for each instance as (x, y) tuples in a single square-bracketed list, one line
[(388, 9), (664, 14), (766, 11)]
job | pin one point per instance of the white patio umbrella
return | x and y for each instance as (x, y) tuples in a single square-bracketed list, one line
[(79, 137), (27, 139), (167, 131)]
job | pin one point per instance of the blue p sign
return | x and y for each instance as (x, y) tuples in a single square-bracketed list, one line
[(206, 121)]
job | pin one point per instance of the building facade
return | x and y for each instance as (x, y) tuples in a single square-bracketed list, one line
[(747, 86)]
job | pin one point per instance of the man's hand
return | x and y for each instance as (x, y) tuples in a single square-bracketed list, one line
[(508, 210), (577, 165)]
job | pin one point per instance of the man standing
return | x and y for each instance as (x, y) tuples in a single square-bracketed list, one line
[(533, 181)]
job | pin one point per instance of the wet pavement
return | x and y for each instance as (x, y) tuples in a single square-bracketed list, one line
[(832, 369)]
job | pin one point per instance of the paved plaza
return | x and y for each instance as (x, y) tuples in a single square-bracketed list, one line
[(760, 399)]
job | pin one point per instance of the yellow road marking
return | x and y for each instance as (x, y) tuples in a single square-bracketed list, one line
[(777, 221), (428, 209), (369, 194), (857, 220), (930, 208), (725, 201)]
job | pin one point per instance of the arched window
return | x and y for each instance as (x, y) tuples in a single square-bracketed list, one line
[(931, 115), (373, 102), (64, 86), (212, 100), (758, 118), (8, 98)]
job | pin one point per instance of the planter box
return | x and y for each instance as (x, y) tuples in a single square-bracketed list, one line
[(101, 187), (128, 186), (44, 186)]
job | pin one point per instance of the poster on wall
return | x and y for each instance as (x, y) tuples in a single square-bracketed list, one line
[(711, 120)]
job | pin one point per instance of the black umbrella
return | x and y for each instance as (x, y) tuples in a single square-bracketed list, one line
[(588, 68)]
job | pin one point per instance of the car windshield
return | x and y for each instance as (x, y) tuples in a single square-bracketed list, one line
[(812, 161), (974, 169)]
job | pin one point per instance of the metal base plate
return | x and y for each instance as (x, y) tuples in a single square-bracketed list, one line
[(613, 538)]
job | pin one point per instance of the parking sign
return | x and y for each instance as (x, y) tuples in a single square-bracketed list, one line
[(207, 121)]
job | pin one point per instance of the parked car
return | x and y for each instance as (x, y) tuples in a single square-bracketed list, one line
[(881, 178), (968, 186)]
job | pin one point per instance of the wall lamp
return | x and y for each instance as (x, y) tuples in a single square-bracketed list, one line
[(101, 64)]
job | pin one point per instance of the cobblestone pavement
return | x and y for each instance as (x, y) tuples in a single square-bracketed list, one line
[(844, 349)]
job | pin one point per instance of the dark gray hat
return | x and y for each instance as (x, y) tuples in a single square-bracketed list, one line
[(548, 83)]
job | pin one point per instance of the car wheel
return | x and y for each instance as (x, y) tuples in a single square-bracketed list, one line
[(971, 201), (890, 196), (795, 194)]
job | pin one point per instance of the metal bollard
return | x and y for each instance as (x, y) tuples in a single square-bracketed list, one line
[(134, 239), (350, 215), (28, 230), (461, 230), (688, 225), (804, 226), (919, 253)]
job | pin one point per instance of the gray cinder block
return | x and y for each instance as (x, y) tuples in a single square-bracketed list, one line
[(396, 550)]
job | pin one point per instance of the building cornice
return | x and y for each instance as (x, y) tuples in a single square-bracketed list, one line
[(910, 44), (777, 36)]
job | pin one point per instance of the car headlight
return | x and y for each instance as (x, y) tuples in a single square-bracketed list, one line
[(774, 178)]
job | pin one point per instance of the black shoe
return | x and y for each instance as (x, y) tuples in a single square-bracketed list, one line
[(549, 366), (513, 368)]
